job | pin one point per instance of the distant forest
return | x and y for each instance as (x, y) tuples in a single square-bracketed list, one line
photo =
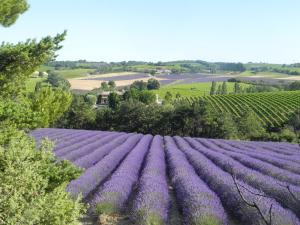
[(185, 66)]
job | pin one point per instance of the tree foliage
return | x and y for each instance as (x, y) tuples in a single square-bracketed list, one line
[(79, 115), (139, 85), (113, 100), (153, 84), (18, 62), (213, 88), (294, 86), (32, 181), (224, 88), (250, 126), (144, 96), (32, 187), (112, 85), (18, 113), (294, 121), (50, 104), (10, 10), (57, 81), (104, 86)]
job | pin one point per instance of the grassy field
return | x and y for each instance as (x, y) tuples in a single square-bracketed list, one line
[(74, 73), (192, 90)]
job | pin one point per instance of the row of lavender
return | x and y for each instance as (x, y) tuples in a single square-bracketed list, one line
[(131, 169)]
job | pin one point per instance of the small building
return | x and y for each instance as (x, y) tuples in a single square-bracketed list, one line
[(102, 98), (163, 71)]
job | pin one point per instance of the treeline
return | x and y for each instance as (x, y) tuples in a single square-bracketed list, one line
[(185, 66), (236, 67), (258, 86), (133, 113), (283, 69)]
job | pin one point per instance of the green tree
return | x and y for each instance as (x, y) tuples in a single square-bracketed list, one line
[(136, 117), (153, 84), (237, 87), (50, 104), (213, 88), (183, 119), (250, 126), (294, 122), (287, 135), (152, 72), (80, 115), (33, 183), (219, 90), (104, 86), (19, 61), (10, 10), (139, 85), (294, 86), (91, 99), (57, 81), (147, 97), (18, 113), (113, 100), (131, 94), (112, 85), (218, 125), (104, 119), (224, 88)]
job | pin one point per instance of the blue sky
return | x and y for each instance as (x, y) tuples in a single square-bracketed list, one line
[(164, 30)]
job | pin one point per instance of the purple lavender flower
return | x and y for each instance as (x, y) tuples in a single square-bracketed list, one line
[(113, 140), (272, 187), (93, 176), (112, 196), (200, 205), (274, 159), (78, 142), (91, 159), (152, 200), (222, 183)]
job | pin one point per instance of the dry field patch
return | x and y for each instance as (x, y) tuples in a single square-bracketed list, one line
[(80, 84)]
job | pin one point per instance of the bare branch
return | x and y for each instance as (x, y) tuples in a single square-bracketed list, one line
[(254, 204), (251, 192), (240, 192), (288, 187), (270, 214)]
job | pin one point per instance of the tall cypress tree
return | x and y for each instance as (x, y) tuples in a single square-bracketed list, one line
[(213, 88), (237, 87), (224, 88)]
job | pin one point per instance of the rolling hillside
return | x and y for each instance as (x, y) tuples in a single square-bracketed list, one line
[(273, 108)]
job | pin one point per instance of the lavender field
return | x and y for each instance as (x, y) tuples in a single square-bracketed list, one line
[(211, 182)]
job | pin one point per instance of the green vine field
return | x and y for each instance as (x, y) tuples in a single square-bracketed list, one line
[(272, 108)]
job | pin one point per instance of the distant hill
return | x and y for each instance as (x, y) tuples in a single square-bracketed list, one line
[(73, 69)]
